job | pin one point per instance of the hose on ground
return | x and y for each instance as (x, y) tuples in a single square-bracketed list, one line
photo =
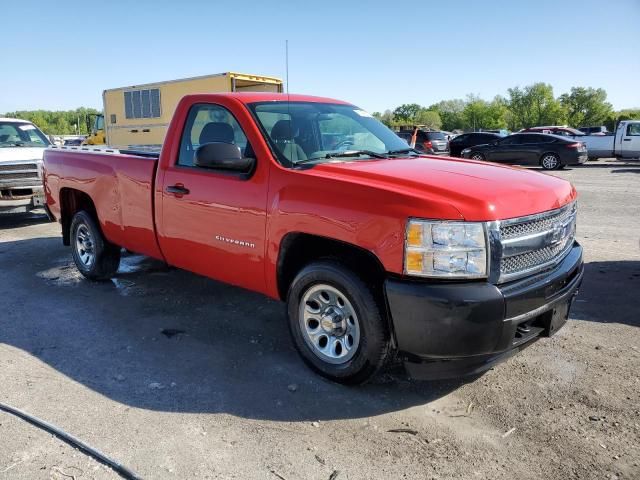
[(123, 471)]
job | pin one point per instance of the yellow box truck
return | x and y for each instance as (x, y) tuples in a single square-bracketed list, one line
[(139, 115)]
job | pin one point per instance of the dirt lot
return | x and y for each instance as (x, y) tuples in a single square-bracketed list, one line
[(222, 394)]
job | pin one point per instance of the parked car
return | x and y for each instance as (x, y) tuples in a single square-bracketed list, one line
[(466, 140), (624, 143), (378, 252), (548, 151), (21, 147), (429, 142), (601, 130), (563, 131)]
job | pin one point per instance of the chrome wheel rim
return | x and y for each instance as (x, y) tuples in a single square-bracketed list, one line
[(329, 324), (476, 156), (85, 246), (550, 162)]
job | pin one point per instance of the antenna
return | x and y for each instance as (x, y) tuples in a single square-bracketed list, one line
[(290, 146), (286, 60)]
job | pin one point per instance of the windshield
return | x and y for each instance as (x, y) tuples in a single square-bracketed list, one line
[(436, 136), (19, 134), (301, 132)]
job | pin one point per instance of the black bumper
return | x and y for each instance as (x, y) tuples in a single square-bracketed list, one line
[(445, 330)]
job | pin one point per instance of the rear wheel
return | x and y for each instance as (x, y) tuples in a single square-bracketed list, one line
[(550, 161), (477, 156), (336, 323), (93, 255)]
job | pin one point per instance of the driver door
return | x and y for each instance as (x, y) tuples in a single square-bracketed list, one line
[(213, 222), (508, 150)]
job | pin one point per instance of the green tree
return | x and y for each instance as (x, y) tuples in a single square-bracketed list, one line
[(406, 113), (627, 114), (450, 112), (534, 105), (478, 114), (428, 118), (67, 122), (586, 106), (386, 117)]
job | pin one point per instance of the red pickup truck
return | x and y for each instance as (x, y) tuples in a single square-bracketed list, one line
[(380, 252)]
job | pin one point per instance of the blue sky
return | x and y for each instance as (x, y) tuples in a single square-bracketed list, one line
[(378, 54)]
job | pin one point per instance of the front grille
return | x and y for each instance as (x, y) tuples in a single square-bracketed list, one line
[(19, 175), (17, 167), (532, 259), (542, 223), (536, 242)]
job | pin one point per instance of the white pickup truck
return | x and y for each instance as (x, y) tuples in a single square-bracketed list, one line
[(624, 143), (22, 145)]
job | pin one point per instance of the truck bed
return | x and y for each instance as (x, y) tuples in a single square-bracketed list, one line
[(120, 183)]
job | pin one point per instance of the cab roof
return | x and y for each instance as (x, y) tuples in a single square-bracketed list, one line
[(254, 97), (15, 120)]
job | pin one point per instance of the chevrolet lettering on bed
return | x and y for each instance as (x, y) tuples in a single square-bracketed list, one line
[(380, 252)]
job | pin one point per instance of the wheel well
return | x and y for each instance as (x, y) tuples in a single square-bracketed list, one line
[(71, 202), (300, 249)]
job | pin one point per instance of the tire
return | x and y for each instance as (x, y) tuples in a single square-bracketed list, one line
[(477, 156), (550, 161), (94, 256), (327, 301)]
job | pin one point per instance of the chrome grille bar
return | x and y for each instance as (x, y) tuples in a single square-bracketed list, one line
[(527, 245)]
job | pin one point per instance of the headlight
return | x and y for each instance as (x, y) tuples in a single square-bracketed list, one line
[(466, 150), (445, 249)]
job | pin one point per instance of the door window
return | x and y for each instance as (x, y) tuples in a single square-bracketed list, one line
[(533, 139), (633, 130), (460, 139), (210, 123), (513, 140)]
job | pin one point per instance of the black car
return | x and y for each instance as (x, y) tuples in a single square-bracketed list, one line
[(429, 142), (466, 140), (548, 151)]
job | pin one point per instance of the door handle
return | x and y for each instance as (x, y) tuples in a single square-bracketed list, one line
[(626, 139), (178, 190)]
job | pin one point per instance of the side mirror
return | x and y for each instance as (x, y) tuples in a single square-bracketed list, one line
[(222, 156)]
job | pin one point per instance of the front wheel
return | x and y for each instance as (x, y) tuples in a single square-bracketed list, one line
[(94, 256), (336, 324), (477, 156), (550, 161)]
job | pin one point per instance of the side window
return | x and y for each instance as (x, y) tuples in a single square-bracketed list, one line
[(514, 140), (633, 130), (529, 139), (457, 140), (210, 123)]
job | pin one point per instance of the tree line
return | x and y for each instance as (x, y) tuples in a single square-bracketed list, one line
[(69, 122), (529, 106), (524, 107)]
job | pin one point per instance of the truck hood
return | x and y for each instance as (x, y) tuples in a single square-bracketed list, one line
[(480, 191), (12, 154)]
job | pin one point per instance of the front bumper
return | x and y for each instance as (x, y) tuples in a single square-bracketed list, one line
[(445, 330), (23, 203)]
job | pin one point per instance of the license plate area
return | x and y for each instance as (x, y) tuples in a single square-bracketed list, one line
[(556, 318)]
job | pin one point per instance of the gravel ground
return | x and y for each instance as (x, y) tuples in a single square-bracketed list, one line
[(177, 376)]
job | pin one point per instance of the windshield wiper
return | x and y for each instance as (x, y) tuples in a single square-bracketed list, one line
[(403, 150), (346, 153), (356, 153)]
